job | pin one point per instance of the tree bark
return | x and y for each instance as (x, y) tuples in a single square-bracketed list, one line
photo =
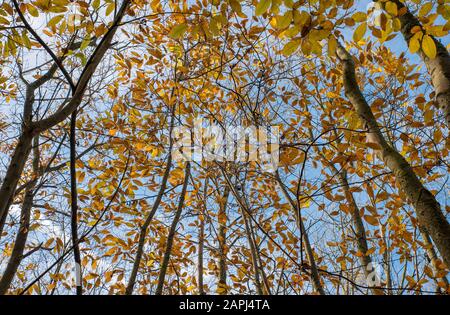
[(222, 219), (253, 257), (438, 68), (427, 208), (360, 232), (434, 260), (173, 229), (201, 239), (22, 234), (148, 220), (315, 277), (13, 174), (74, 205)]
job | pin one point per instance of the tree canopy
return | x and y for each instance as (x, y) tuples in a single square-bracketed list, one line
[(92, 200)]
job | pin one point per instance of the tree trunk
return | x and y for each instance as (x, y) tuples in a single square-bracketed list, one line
[(360, 232), (265, 281), (358, 225), (22, 234), (13, 174), (254, 259), (438, 68), (201, 239), (173, 228), (148, 220), (434, 260), (74, 205), (427, 209), (386, 258), (222, 219), (315, 277)]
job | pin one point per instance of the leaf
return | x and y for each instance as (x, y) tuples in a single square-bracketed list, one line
[(3, 20), (429, 46), (425, 9), (414, 45), (32, 10), (360, 32), (178, 31), (236, 6), (110, 8), (371, 220), (284, 21), (359, 17), (262, 7), (290, 47), (55, 20), (332, 46), (391, 8), (96, 4)]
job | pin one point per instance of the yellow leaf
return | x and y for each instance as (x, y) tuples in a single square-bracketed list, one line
[(284, 21), (55, 20), (262, 7), (332, 46), (110, 8), (178, 31), (236, 6), (359, 17), (360, 32), (391, 8), (290, 47), (425, 9), (32, 10), (96, 4), (429, 46), (414, 45), (3, 20)]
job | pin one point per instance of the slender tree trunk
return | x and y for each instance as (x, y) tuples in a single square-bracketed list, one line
[(360, 232), (173, 229), (74, 205), (438, 68), (148, 220), (434, 260), (144, 228), (22, 234), (359, 229), (427, 208), (201, 239), (254, 258), (387, 259), (265, 281), (222, 219), (315, 277)]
